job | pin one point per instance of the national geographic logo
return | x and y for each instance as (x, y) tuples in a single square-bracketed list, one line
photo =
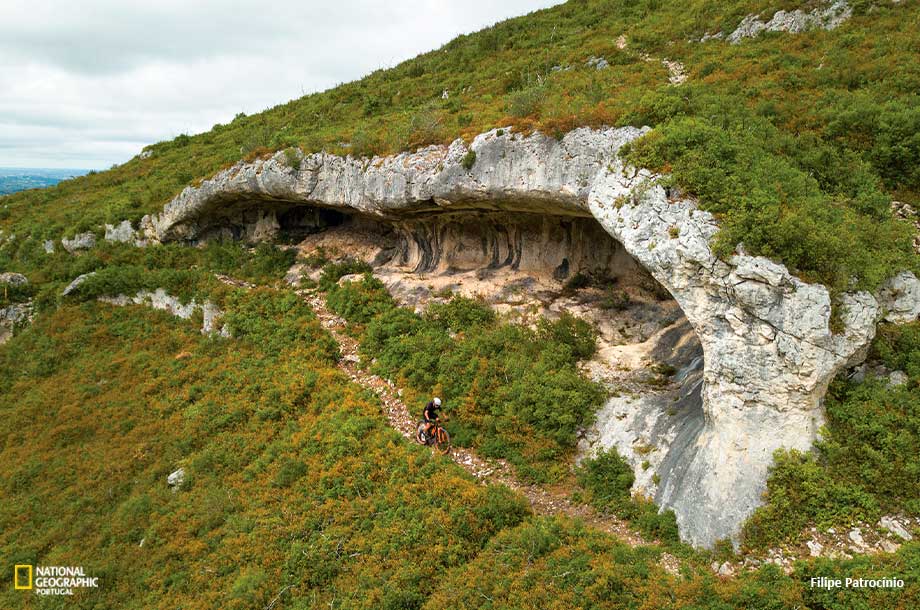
[(52, 580), (22, 577)]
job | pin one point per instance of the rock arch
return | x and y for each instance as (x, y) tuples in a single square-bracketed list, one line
[(768, 351)]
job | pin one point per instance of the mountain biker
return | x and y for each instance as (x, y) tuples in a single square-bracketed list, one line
[(430, 414)]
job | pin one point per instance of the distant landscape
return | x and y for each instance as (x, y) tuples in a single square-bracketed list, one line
[(15, 179)]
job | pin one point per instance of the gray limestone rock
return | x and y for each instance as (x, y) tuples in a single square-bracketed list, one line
[(598, 63), (827, 18), (176, 478), (899, 298), (122, 232), (895, 527), (160, 299), (13, 279), (12, 316), (76, 283), (769, 351), (48, 245), (81, 241)]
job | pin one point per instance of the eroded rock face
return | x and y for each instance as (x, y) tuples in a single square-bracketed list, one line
[(768, 355), (768, 351)]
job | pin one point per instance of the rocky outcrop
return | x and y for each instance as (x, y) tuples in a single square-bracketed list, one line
[(123, 232), (80, 241), (769, 355), (826, 18), (13, 279), (768, 351), (76, 282), (176, 479), (13, 316), (900, 298), (160, 299)]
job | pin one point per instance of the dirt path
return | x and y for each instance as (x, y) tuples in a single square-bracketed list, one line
[(543, 501)]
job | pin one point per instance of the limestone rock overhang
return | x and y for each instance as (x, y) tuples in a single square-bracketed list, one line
[(769, 353)]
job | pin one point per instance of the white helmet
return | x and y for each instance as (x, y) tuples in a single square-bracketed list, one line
[(437, 402)]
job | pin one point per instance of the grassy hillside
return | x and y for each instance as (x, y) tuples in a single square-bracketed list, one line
[(295, 488), (797, 142)]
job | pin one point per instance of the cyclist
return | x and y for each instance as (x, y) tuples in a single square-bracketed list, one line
[(430, 414)]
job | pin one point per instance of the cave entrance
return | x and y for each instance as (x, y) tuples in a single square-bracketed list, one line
[(525, 266)]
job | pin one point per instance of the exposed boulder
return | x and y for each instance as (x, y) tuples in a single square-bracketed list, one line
[(73, 285), (122, 232), (895, 527), (769, 351), (598, 63), (80, 241), (176, 478), (48, 245), (11, 316), (900, 298), (13, 279), (827, 18)]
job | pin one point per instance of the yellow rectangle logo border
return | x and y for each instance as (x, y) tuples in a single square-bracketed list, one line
[(16, 584)]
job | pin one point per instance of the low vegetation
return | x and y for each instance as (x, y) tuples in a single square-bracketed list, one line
[(514, 392), (298, 494), (297, 491), (607, 480)]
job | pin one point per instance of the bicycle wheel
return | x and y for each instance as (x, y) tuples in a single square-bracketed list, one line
[(418, 434), (442, 441)]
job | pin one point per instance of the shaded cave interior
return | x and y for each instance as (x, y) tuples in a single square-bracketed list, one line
[(524, 264)]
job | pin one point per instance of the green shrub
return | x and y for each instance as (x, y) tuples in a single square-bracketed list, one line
[(571, 331), (289, 472), (607, 478), (527, 102), (829, 233), (292, 157), (333, 272), (359, 301), (469, 160), (460, 314)]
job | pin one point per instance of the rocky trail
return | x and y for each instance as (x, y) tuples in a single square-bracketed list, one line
[(543, 501)]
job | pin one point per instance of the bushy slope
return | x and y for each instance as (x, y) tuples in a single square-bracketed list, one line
[(296, 490), (793, 139), (292, 478)]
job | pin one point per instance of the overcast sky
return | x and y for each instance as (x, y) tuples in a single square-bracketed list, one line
[(88, 84)]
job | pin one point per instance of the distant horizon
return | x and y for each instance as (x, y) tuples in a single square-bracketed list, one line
[(34, 167)]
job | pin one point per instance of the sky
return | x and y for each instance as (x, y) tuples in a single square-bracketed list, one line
[(88, 84)]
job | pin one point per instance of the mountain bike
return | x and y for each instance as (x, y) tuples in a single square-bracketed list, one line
[(438, 437)]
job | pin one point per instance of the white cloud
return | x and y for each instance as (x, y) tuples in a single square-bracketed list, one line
[(87, 84)]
